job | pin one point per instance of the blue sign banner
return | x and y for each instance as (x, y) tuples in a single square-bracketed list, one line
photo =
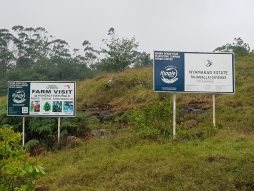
[(168, 71)]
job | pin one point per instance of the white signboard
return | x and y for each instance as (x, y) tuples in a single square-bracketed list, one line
[(209, 72), (52, 98)]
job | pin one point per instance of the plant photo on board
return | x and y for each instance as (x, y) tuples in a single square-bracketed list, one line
[(47, 106), (57, 106)]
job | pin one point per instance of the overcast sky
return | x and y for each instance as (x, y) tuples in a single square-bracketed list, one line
[(184, 25)]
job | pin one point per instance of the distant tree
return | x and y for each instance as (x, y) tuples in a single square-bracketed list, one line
[(33, 54), (6, 55), (91, 55), (143, 59), (239, 47), (119, 52)]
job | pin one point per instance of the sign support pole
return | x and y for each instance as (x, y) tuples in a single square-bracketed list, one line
[(214, 119), (58, 129), (23, 132), (174, 115)]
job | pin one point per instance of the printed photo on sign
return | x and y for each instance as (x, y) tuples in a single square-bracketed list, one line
[(57, 106), (35, 106), (47, 106), (68, 106)]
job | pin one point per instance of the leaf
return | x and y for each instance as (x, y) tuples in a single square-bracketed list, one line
[(29, 168)]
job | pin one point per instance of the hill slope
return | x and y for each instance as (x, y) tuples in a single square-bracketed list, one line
[(141, 154)]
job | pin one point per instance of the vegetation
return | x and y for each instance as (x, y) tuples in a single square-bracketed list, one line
[(141, 154), (120, 53), (18, 171), (121, 138), (33, 54), (224, 162), (239, 47)]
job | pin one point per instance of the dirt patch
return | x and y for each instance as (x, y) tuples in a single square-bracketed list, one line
[(195, 106), (101, 111), (211, 159)]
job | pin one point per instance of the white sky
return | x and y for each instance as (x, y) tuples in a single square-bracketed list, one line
[(184, 25)]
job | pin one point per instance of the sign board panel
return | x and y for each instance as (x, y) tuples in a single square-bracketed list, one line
[(41, 98), (194, 72)]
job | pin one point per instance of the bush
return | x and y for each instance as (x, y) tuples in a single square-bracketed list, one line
[(78, 126), (153, 121), (18, 171)]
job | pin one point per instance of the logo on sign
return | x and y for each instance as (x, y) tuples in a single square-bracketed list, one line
[(19, 96), (208, 63), (169, 74)]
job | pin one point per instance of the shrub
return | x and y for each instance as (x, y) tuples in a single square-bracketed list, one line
[(153, 121), (18, 171), (80, 125)]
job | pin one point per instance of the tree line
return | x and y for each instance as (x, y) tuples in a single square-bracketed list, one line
[(28, 53)]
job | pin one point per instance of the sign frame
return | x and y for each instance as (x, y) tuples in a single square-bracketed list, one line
[(202, 92), (56, 116)]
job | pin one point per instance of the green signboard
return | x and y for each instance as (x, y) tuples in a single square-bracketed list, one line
[(18, 98)]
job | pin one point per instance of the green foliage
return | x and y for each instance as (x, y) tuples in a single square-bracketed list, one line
[(239, 47), (31, 146), (153, 121), (18, 171), (143, 59), (33, 54), (80, 125), (121, 53)]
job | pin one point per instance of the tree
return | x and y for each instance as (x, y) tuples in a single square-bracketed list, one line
[(143, 59), (239, 47), (91, 54), (119, 53), (6, 55), (33, 54)]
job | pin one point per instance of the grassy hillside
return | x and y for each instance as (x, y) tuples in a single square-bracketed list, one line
[(224, 162), (138, 151), (142, 155)]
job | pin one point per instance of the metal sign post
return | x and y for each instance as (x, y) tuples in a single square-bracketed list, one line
[(174, 115), (214, 120), (23, 132), (58, 129)]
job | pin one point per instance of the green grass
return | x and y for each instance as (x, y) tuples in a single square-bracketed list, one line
[(200, 158), (223, 162), (123, 91)]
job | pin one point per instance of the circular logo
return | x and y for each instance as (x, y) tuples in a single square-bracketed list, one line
[(169, 74), (19, 96)]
